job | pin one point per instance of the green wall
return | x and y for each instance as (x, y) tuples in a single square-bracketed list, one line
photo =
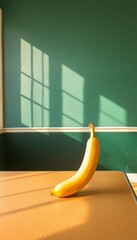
[(68, 63), (63, 151), (1, 152)]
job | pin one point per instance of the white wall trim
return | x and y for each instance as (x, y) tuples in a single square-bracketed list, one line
[(67, 129), (1, 74)]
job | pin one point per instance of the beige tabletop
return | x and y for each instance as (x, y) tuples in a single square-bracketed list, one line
[(105, 209)]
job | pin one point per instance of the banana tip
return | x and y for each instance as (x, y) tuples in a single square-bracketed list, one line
[(91, 125)]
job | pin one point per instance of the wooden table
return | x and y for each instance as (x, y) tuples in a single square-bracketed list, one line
[(105, 209)]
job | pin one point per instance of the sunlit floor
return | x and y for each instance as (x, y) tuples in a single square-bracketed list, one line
[(133, 180)]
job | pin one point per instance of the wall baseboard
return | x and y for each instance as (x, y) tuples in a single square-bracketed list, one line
[(67, 129)]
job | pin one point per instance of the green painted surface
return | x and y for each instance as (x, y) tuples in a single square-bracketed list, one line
[(59, 151), (68, 63), (1, 3), (1, 152)]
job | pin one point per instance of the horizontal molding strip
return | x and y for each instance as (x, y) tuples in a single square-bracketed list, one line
[(67, 129)]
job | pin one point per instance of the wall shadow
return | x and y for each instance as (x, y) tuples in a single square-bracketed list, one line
[(1, 151), (38, 151), (58, 151)]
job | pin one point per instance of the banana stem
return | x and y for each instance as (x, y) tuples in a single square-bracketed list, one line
[(92, 129)]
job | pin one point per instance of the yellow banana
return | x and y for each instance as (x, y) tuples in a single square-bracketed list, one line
[(80, 179)]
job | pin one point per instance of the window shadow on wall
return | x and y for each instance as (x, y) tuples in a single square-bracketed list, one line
[(69, 65)]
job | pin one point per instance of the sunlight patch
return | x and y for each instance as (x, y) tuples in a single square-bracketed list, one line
[(110, 113)]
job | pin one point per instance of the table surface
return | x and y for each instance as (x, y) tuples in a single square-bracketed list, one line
[(105, 209)]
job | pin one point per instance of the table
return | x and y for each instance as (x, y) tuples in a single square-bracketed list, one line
[(105, 209)]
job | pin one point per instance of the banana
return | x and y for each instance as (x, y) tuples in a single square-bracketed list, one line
[(88, 167)]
